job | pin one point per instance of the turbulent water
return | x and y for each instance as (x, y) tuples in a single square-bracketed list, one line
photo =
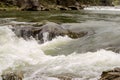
[(117, 8), (79, 59), (17, 53)]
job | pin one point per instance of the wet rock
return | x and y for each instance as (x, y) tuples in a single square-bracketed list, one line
[(73, 7), (70, 5), (24, 32), (66, 3), (12, 76), (111, 74), (46, 32), (75, 35), (30, 5), (53, 30), (62, 8), (106, 2), (84, 6), (114, 49), (76, 6), (46, 9)]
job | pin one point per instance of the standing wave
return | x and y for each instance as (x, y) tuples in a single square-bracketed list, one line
[(17, 53)]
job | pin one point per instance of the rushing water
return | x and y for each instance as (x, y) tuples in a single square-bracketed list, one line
[(79, 59), (103, 8)]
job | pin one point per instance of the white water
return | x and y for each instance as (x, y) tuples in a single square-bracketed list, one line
[(45, 36), (17, 53), (103, 8)]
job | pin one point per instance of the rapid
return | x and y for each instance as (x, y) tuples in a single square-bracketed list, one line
[(80, 59)]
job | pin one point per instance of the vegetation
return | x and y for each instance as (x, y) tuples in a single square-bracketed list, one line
[(116, 2), (14, 4)]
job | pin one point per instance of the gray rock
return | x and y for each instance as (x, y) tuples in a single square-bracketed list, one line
[(46, 32), (111, 74), (31, 5), (114, 49), (12, 76)]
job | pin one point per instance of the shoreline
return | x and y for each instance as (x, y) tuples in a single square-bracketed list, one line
[(62, 8)]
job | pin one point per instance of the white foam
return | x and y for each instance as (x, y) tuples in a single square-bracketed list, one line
[(102, 8), (45, 36), (54, 43), (88, 66), (17, 53)]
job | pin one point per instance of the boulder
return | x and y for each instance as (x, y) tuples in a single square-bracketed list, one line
[(76, 6), (30, 5), (52, 30), (12, 76), (66, 2), (45, 32), (114, 49), (62, 8), (24, 32), (111, 74)]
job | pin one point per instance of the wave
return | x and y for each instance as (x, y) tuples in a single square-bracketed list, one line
[(17, 53), (86, 66), (103, 8)]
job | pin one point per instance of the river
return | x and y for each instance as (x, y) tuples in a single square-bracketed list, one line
[(79, 59)]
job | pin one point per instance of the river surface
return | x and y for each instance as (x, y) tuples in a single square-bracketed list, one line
[(79, 59)]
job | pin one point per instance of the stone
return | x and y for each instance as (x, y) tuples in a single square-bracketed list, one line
[(30, 5), (114, 49), (73, 7), (111, 74), (62, 8), (12, 76), (48, 31), (24, 32), (66, 3)]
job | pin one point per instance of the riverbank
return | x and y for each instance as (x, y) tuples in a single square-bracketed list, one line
[(45, 5)]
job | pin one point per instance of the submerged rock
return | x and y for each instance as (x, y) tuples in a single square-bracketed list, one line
[(12, 76), (45, 32), (114, 49), (111, 74)]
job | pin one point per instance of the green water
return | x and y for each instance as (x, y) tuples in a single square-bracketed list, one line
[(98, 24), (81, 58), (56, 16), (37, 16)]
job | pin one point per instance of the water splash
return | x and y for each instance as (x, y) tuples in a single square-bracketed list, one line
[(103, 8), (18, 53), (14, 50), (45, 36)]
